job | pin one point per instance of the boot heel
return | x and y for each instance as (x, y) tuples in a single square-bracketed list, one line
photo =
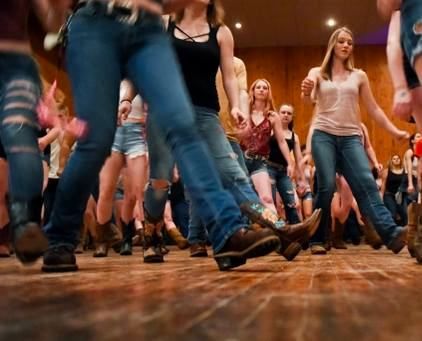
[(227, 262), (292, 251)]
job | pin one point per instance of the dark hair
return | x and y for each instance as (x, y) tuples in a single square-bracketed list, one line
[(412, 141)]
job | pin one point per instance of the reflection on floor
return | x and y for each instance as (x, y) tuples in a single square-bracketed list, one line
[(355, 294)]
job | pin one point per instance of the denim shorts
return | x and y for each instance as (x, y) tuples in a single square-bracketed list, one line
[(130, 140), (255, 165), (411, 29)]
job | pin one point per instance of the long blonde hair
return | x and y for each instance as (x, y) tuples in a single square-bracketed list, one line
[(328, 59), (215, 14), (269, 105)]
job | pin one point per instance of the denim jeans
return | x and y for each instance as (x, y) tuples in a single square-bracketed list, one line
[(231, 174), (240, 157), (283, 184), (347, 155), (100, 52), (396, 208), (19, 93)]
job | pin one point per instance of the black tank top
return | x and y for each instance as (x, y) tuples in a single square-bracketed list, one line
[(393, 181), (199, 62), (276, 155), (14, 19)]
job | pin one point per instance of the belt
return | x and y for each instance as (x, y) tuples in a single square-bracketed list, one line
[(277, 166), (122, 11), (251, 156)]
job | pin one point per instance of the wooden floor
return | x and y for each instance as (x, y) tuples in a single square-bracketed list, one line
[(355, 294)]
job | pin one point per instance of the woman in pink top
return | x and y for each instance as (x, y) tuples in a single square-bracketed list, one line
[(336, 87)]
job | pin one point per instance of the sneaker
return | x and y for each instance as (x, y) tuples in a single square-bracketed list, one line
[(59, 259)]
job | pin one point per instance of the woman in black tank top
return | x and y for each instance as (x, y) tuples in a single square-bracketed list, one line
[(393, 178), (203, 44), (277, 165)]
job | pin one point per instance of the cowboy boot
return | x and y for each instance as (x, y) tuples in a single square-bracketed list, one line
[(337, 235), (29, 242), (128, 233), (152, 240)]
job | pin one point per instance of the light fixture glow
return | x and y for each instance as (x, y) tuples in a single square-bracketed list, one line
[(331, 22), (238, 25)]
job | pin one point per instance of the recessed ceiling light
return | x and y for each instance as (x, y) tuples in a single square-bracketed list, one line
[(331, 22), (238, 25)]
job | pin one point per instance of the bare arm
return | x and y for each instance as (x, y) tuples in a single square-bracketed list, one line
[(375, 111), (384, 181), (408, 167), (387, 7), (52, 13), (309, 85), (370, 152), (225, 39), (402, 106)]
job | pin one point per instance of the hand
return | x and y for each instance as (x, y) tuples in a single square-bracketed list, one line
[(239, 117), (402, 135), (402, 106), (125, 108), (42, 144), (307, 86), (149, 6), (290, 171), (410, 189), (379, 167)]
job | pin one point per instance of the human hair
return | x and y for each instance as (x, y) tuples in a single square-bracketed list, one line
[(269, 105), (215, 14), (327, 63)]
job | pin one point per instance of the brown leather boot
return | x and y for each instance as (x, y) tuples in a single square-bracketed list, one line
[(29, 241), (178, 238), (152, 240), (411, 228), (244, 244), (294, 237), (198, 250), (371, 236), (107, 235), (337, 236)]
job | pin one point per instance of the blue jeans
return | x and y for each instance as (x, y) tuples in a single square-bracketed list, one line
[(232, 176), (100, 52), (19, 94), (283, 184), (347, 155), (396, 208), (240, 157)]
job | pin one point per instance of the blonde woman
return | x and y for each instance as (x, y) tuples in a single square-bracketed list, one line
[(336, 87)]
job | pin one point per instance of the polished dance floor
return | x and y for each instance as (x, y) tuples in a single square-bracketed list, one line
[(355, 294)]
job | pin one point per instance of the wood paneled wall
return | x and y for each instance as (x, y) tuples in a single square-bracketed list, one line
[(285, 68)]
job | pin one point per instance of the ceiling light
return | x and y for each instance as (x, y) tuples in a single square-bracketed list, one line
[(331, 22), (238, 25)]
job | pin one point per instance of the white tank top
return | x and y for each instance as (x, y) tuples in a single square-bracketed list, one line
[(337, 109)]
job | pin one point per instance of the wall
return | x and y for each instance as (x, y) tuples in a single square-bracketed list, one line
[(285, 68)]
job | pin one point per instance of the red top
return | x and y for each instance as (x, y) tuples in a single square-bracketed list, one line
[(257, 143), (14, 19)]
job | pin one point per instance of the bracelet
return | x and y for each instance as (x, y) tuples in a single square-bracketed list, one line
[(125, 100)]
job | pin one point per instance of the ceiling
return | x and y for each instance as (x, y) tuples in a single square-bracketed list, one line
[(301, 22)]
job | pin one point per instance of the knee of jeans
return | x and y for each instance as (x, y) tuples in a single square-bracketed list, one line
[(160, 184)]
